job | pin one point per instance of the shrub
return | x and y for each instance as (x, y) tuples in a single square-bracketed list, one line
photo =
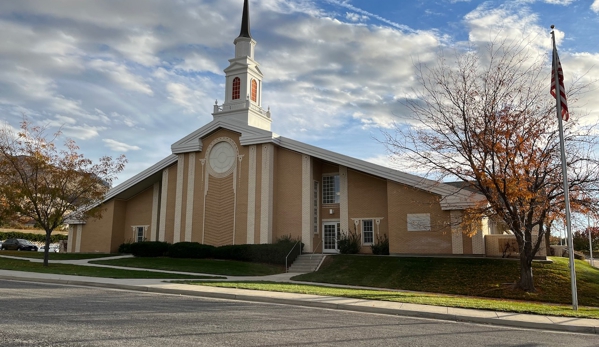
[(265, 253), (149, 248), (349, 242), (193, 250), (381, 247), (125, 248), (31, 236)]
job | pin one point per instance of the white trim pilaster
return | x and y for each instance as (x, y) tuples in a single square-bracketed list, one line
[(70, 239), (78, 242), (307, 189), (163, 196), (179, 198), (155, 204), (251, 218), (457, 241), (266, 193), (344, 199), (191, 171)]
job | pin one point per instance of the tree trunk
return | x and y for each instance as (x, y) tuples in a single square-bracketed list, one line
[(526, 282), (47, 248)]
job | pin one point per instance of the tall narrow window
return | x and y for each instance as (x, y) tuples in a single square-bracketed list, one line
[(254, 95), (331, 192), (315, 199), (236, 88), (367, 232)]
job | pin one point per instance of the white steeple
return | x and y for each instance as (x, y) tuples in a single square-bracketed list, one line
[(243, 94)]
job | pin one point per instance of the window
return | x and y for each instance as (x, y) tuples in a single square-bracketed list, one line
[(139, 233), (367, 232), (315, 207), (331, 189), (236, 88), (254, 94)]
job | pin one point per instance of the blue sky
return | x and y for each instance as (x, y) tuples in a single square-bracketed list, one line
[(135, 76)]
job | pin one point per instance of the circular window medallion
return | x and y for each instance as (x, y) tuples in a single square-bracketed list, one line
[(222, 157)]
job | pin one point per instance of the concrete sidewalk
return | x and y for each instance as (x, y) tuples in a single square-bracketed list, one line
[(580, 325)]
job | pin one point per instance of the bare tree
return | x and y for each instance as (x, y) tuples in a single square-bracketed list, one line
[(486, 117), (40, 181)]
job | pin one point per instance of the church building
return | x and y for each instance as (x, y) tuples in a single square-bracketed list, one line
[(234, 181)]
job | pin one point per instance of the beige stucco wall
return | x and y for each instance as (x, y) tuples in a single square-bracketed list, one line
[(367, 199), (96, 234), (404, 200), (138, 211), (287, 218)]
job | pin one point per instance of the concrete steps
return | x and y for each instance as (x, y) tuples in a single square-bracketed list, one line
[(306, 263)]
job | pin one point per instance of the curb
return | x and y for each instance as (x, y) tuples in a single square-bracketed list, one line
[(359, 305)]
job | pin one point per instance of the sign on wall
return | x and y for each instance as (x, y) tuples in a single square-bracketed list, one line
[(419, 222)]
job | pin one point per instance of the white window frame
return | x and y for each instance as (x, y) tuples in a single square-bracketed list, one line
[(327, 197), (364, 231), (136, 229)]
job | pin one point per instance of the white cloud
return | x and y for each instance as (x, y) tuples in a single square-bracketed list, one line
[(560, 2), (121, 75), (119, 146), (595, 6), (199, 63), (354, 17)]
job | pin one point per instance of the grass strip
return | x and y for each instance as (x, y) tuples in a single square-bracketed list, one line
[(493, 278), (207, 266), (412, 297), (90, 271)]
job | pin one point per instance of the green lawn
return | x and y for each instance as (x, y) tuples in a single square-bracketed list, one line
[(414, 298), (207, 266), (491, 278), (57, 256), (91, 271)]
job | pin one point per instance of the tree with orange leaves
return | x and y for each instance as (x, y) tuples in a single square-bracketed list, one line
[(41, 181), (486, 117)]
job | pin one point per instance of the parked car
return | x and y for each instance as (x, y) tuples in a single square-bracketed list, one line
[(18, 245), (51, 249)]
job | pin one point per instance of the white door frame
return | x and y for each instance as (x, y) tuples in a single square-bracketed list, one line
[(326, 243)]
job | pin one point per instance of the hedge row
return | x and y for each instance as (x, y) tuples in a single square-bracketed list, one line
[(265, 253), (31, 236)]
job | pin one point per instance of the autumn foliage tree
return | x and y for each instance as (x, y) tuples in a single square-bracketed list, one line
[(41, 181), (486, 117)]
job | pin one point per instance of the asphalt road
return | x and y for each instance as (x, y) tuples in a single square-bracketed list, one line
[(34, 314)]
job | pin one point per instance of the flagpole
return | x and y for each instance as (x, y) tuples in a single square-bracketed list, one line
[(564, 174)]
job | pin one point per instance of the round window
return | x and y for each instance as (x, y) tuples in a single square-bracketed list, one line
[(222, 157)]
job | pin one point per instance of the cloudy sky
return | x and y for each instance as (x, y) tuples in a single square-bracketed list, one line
[(132, 77)]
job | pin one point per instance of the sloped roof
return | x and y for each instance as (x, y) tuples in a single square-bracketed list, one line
[(453, 198)]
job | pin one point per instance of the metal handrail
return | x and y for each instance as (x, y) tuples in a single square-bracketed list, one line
[(315, 248), (292, 248)]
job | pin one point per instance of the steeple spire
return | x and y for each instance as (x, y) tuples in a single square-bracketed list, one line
[(245, 21), (243, 95)]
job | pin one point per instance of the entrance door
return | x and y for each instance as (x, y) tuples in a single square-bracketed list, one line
[(330, 234)]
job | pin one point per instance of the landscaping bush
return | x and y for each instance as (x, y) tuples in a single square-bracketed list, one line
[(149, 248), (349, 242), (234, 252), (125, 248), (381, 247), (265, 253), (193, 250), (31, 237)]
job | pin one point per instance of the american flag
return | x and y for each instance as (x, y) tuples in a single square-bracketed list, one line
[(562, 90)]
